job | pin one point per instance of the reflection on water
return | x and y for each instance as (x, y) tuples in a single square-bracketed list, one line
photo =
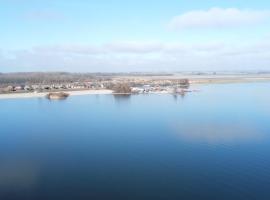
[(217, 133), (17, 175), (181, 95), (211, 145), (122, 98)]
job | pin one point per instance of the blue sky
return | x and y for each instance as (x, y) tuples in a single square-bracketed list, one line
[(121, 35)]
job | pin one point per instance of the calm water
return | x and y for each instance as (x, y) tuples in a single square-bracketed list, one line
[(214, 144)]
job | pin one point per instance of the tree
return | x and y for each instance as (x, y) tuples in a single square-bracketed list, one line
[(184, 83), (122, 88)]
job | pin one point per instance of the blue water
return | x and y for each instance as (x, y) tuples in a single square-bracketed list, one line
[(212, 144)]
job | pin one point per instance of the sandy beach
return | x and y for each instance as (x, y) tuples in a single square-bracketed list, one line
[(43, 94)]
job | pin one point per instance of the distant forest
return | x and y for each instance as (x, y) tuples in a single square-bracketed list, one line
[(62, 77), (42, 78)]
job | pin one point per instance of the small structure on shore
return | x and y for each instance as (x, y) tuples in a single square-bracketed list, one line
[(57, 95), (9, 88)]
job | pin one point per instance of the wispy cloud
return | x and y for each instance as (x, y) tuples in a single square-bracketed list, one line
[(135, 47), (218, 18), (47, 15), (126, 48), (139, 56), (68, 49)]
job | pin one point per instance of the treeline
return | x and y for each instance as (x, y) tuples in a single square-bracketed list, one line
[(46, 78), (62, 77)]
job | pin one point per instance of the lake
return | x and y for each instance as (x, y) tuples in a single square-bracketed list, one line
[(212, 144)]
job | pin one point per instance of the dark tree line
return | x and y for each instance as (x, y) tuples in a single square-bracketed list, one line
[(47, 78), (61, 77)]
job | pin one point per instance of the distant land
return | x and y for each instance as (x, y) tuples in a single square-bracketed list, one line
[(28, 84), (60, 77)]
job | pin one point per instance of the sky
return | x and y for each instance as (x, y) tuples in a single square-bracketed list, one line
[(138, 35)]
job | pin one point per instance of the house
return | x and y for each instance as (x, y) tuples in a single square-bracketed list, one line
[(19, 87), (137, 90), (28, 88)]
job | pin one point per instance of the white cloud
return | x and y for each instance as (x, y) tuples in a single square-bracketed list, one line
[(218, 18), (70, 49), (135, 47), (139, 56), (125, 47)]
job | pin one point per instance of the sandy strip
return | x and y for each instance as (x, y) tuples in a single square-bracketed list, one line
[(43, 94)]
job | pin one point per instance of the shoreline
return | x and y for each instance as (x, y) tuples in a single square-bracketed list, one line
[(229, 80), (193, 81), (43, 94)]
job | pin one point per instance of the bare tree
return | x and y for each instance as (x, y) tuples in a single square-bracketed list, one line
[(122, 88)]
